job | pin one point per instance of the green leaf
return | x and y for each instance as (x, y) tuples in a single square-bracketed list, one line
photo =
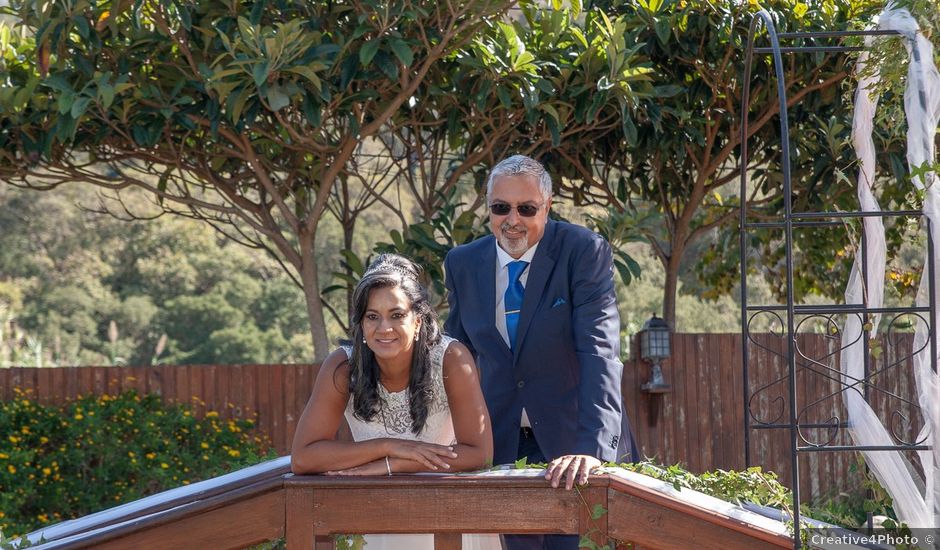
[(667, 90), (402, 51), (629, 128), (332, 288), (106, 95), (65, 102), (239, 104), (57, 83), (356, 265), (277, 99), (385, 64), (598, 511), (307, 72), (79, 106), (663, 29), (260, 73), (521, 463), (553, 128), (503, 94), (368, 51)]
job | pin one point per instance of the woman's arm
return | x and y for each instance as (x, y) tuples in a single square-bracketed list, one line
[(468, 409), (315, 448)]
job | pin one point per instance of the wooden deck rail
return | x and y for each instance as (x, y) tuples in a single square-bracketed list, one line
[(308, 510)]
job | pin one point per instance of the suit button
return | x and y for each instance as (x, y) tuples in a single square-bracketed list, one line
[(521, 384)]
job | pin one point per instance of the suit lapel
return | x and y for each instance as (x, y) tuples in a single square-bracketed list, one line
[(542, 265), (486, 281)]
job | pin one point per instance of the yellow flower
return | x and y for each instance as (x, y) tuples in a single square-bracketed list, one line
[(131, 454), (151, 455), (24, 429), (43, 518), (212, 414), (4, 455), (11, 468), (2, 515), (164, 465), (78, 416), (46, 471), (43, 439), (233, 452), (13, 439), (204, 445), (205, 457)]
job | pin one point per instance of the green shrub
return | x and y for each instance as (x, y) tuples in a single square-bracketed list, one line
[(62, 462)]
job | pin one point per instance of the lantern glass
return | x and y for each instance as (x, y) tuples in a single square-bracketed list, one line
[(654, 340)]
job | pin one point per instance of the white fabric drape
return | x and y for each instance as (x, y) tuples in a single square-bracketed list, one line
[(915, 505)]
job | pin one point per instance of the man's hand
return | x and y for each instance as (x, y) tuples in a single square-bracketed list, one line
[(571, 467)]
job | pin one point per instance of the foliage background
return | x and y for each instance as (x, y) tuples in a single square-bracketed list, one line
[(67, 271), (59, 463)]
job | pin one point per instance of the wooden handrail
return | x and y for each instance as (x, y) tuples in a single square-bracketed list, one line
[(271, 471), (262, 506)]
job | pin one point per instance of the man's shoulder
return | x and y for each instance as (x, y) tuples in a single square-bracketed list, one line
[(574, 235), (470, 250)]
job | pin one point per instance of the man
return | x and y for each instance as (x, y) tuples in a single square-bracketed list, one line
[(535, 304)]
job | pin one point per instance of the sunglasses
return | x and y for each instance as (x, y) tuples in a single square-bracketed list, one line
[(524, 210)]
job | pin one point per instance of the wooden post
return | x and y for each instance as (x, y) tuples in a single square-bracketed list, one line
[(592, 519), (448, 541), (299, 518)]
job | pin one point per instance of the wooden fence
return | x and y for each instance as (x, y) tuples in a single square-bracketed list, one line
[(700, 423)]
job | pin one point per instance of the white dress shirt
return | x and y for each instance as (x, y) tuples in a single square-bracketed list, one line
[(503, 260)]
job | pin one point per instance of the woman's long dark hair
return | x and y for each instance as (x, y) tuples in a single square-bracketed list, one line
[(389, 271)]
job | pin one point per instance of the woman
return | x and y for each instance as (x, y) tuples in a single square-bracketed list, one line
[(410, 396)]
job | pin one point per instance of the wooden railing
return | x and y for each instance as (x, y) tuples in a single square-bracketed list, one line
[(265, 503)]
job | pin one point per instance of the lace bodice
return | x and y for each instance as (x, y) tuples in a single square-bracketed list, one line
[(394, 416)]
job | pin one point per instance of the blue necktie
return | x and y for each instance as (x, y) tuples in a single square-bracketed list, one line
[(513, 299)]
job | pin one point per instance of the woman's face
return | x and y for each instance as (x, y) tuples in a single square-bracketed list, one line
[(389, 325)]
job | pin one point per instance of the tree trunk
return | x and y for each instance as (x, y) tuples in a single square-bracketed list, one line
[(311, 283), (670, 288), (349, 228)]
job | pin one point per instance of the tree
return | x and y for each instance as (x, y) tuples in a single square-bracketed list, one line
[(678, 155), (241, 115), (541, 85)]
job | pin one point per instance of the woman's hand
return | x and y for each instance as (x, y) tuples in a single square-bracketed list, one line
[(374, 468), (427, 454)]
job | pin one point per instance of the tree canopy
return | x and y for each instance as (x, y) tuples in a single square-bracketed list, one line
[(670, 174), (256, 117), (242, 115)]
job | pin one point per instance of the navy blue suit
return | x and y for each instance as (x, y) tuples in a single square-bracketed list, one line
[(565, 370)]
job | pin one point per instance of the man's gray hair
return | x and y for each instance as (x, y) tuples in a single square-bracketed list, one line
[(521, 165)]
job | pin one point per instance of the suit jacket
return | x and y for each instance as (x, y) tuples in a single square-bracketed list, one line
[(566, 369)]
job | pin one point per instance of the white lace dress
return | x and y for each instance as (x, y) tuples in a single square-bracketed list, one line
[(394, 420)]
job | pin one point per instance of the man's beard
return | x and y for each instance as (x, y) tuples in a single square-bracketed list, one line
[(514, 247)]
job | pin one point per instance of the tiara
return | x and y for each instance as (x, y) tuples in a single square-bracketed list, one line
[(388, 266)]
